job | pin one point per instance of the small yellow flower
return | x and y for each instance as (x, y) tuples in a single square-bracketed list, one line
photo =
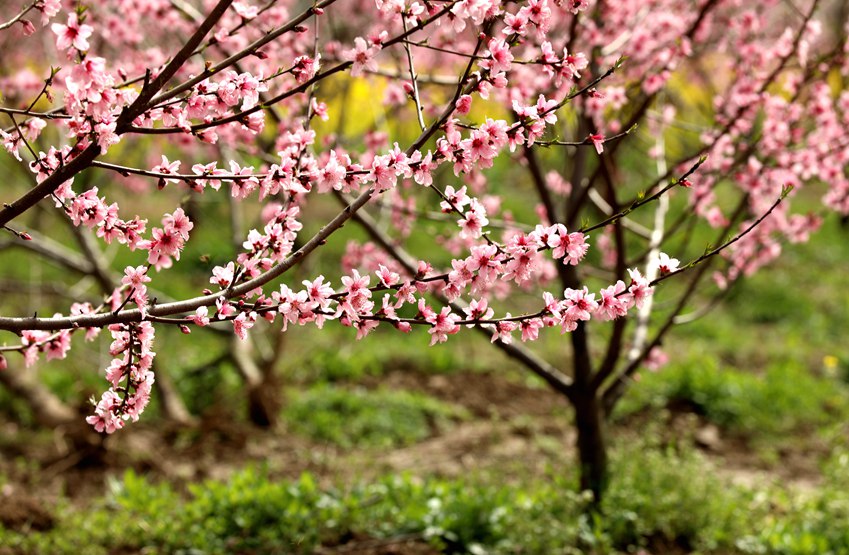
[(830, 362)]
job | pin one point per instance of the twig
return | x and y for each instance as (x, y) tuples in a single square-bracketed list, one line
[(413, 78), (19, 16)]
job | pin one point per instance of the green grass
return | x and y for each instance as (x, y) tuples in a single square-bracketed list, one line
[(784, 399), (657, 498), (362, 418)]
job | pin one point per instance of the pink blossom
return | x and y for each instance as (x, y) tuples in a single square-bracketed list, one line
[(58, 346), (167, 168), (48, 9), (612, 305), (382, 173), (454, 199), (135, 277), (242, 323), (245, 10), (332, 176), (473, 221), (387, 277), (356, 301), (210, 170), (200, 317), (223, 275), (304, 68), (503, 331), (241, 188), (580, 304), (498, 57), (364, 327), (463, 104), (443, 323), (552, 305), (530, 328), (478, 310), (664, 264), (639, 290), (73, 34), (29, 28), (515, 23), (597, 139), (576, 6), (363, 57), (656, 359), (179, 222), (224, 308)]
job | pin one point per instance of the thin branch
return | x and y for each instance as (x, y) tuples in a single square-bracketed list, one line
[(414, 78), (187, 305), (643, 201), (245, 52), (19, 16), (587, 141), (629, 224), (143, 101), (30, 113), (651, 271), (87, 156), (240, 116), (55, 251)]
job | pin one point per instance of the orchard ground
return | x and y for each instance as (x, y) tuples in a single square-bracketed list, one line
[(738, 445)]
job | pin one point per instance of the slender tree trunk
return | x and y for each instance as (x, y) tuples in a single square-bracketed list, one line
[(592, 449), (261, 383), (264, 403), (48, 409), (173, 407)]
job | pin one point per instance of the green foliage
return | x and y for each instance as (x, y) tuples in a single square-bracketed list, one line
[(363, 418), (757, 405), (658, 499), (251, 513), (807, 523), (671, 497)]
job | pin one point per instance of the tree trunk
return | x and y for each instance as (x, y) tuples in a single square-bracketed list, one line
[(48, 409), (261, 383), (264, 403), (592, 450), (173, 407)]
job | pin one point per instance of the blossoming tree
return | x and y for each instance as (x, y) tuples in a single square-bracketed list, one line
[(559, 152)]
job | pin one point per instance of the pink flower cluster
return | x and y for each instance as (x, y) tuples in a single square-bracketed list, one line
[(486, 265), (210, 100), (129, 375)]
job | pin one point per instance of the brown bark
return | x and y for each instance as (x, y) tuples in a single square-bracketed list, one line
[(592, 450), (48, 409), (261, 383)]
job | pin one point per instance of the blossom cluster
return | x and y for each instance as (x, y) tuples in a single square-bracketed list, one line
[(129, 375)]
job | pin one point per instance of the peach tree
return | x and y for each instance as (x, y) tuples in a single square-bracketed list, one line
[(561, 161)]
